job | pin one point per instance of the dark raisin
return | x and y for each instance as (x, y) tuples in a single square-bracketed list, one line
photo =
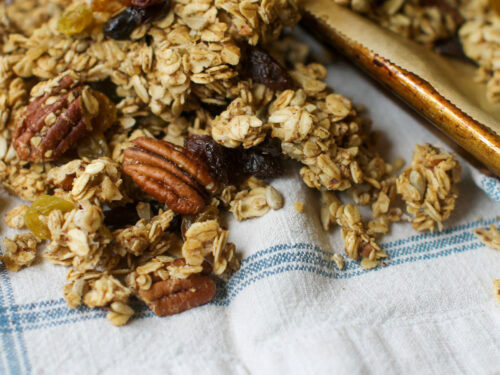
[(108, 88), (120, 217), (270, 146), (217, 157), (260, 165), (231, 166), (452, 47), (214, 109), (154, 12), (120, 26), (175, 225), (262, 68)]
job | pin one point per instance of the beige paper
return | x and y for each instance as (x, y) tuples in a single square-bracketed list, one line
[(453, 79)]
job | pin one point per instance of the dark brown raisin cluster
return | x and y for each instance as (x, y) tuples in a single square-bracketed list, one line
[(121, 25), (262, 68), (232, 165)]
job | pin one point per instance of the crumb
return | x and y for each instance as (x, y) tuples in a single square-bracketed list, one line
[(496, 289), (398, 164), (299, 206), (489, 237)]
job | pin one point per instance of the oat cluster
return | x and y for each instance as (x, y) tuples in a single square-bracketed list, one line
[(429, 187), (132, 149)]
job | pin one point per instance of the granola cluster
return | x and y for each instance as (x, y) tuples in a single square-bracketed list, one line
[(429, 187), (133, 140), (19, 252)]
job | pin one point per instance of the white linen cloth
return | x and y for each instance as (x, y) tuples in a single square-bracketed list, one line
[(288, 310)]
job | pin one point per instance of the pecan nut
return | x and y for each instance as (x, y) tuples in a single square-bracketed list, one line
[(57, 120), (173, 296), (170, 173)]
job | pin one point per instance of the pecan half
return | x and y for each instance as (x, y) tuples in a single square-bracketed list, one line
[(170, 173), (173, 296), (57, 120)]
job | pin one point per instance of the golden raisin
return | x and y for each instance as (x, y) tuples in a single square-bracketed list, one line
[(107, 113), (208, 213), (93, 147), (43, 206), (75, 21)]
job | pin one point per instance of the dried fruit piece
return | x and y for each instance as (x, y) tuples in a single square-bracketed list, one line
[(217, 157), (121, 216), (208, 213), (93, 147), (120, 26), (75, 21), (107, 112), (43, 206), (262, 68), (170, 173), (231, 166), (260, 165), (173, 296)]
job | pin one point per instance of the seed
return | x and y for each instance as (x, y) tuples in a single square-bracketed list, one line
[(274, 198)]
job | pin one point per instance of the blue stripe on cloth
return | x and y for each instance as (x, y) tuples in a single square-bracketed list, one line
[(303, 261), (491, 186), (17, 318), (47, 311), (14, 355)]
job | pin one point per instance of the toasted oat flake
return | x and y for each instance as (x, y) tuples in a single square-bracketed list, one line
[(339, 261), (369, 264), (490, 237), (253, 201)]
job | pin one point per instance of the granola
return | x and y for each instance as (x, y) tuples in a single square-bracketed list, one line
[(133, 143), (19, 252), (15, 217), (429, 187)]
